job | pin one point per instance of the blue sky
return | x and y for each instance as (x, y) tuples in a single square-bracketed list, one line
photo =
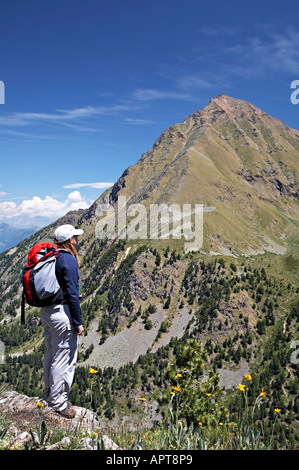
[(90, 85)]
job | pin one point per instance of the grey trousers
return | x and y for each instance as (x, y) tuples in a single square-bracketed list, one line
[(61, 354)]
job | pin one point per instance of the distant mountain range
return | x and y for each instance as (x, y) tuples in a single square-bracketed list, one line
[(11, 236)]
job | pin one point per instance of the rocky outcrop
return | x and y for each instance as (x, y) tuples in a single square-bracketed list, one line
[(23, 413)]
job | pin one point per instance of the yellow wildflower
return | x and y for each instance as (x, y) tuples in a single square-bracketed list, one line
[(171, 393), (39, 405), (263, 394), (92, 371), (179, 375), (142, 399), (241, 387), (208, 394), (277, 410), (248, 377), (177, 389)]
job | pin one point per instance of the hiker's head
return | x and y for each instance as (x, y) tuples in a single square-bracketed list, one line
[(63, 233), (65, 236)]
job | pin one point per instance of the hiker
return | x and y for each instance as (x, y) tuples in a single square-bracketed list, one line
[(62, 324)]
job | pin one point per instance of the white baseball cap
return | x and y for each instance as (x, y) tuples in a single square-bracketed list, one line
[(65, 232)]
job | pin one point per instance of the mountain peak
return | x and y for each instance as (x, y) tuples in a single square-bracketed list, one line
[(229, 101), (233, 107), (236, 160), (226, 108)]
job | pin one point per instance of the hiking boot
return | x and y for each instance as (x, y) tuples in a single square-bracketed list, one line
[(68, 411)]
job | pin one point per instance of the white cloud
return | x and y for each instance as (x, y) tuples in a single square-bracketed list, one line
[(89, 185), (150, 94), (49, 207), (138, 121), (65, 116), (192, 82), (263, 54), (2, 193)]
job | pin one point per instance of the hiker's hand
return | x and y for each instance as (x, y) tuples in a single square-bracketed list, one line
[(79, 329)]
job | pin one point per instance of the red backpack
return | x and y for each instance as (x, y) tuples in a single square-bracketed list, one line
[(40, 285)]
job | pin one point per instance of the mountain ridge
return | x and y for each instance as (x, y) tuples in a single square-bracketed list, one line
[(11, 236), (234, 159)]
